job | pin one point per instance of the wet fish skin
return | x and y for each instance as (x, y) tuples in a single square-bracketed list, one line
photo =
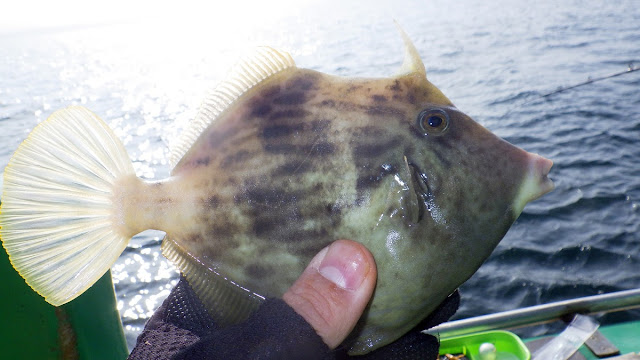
[(308, 158)]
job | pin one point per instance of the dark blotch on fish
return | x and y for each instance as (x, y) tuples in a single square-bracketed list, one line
[(274, 131), (219, 136), (305, 82), (379, 98), (259, 271), (225, 231), (213, 201), (378, 149), (354, 88), (322, 149), (268, 196), (396, 86), (291, 168), (319, 125), (366, 182), (370, 177), (283, 149), (371, 150), (295, 113), (261, 110), (333, 209), (204, 161), (237, 158), (442, 158), (318, 149), (262, 226), (367, 132), (328, 103), (290, 99), (384, 111)]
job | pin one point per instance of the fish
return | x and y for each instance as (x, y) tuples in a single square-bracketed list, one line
[(279, 162)]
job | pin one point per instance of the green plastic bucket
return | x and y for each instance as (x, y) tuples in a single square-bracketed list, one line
[(508, 345), (88, 327)]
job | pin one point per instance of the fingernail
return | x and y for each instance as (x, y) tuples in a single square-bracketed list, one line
[(344, 265)]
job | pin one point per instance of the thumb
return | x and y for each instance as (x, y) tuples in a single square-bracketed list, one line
[(334, 289)]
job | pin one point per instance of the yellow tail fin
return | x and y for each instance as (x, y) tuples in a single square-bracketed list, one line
[(56, 214)]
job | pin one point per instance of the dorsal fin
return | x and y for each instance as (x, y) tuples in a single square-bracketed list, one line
[(243, 76), (412, 62)]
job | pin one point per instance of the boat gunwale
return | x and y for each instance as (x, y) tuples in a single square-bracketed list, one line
[(540, 314)]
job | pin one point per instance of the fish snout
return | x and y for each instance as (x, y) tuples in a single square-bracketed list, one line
[(540, 167), (536, 181)]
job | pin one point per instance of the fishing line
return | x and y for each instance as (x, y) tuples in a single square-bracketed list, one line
[(590, 80), (630, 69)]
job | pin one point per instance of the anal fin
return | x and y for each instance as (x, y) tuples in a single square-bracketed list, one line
[(227, 302)]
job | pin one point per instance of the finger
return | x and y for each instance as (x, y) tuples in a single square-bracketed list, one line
[(334, 289)]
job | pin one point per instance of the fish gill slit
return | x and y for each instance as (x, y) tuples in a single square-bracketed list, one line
[(422, 189)]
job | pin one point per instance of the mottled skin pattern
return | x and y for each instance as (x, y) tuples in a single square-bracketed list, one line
[(306, 158)]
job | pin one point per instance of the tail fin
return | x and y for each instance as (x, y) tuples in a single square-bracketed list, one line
[(56, 214)]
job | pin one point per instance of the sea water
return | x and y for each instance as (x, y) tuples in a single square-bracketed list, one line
[(146, 75)]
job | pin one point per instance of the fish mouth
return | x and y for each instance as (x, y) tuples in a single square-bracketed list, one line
[(539, 168), (536, 182), (542, 166)]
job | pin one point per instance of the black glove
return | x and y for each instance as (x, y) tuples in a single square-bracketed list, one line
[(182, 329)]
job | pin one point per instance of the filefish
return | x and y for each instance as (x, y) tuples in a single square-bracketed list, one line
[(278, 163)]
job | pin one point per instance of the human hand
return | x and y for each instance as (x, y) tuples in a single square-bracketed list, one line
[(317, 314), (334, 290)]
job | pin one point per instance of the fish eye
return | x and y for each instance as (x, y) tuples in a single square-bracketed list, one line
[(433, 121)]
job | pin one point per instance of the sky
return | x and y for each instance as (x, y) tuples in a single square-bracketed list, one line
[(30, 14), (37, 14)]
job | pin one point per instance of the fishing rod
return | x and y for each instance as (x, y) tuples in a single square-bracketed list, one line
[(541, 314)]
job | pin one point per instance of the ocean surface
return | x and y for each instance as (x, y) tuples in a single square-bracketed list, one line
[(495, 60)]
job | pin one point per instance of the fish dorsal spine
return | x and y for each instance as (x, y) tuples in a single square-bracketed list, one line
[(412, 63), (246, 74)]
